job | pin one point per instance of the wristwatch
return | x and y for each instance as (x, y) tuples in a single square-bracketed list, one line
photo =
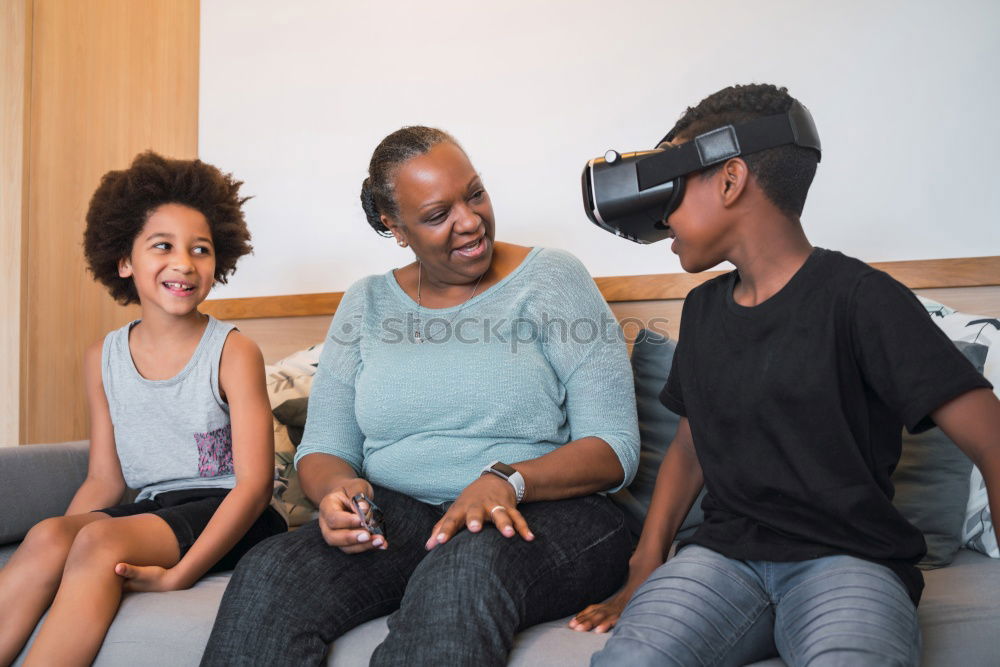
[(513, 477)]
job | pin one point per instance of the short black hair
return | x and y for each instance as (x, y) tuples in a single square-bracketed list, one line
[(125, 199), (377, 192), (784, 173)]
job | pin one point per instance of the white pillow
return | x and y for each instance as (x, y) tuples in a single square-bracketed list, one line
[(978, 534), (292, 376)]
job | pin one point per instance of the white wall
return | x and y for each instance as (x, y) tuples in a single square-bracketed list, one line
[(295, 95)]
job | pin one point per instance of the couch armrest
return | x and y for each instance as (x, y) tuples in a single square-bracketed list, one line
[(37, 482)]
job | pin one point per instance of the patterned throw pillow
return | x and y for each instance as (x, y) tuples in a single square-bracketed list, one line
[(288, 382), (298, 508), (978, 533), (292, 376)]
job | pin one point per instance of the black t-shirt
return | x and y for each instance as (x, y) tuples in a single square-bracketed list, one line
[(796, 407)]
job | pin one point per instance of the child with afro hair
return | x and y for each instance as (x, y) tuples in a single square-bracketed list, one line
[(178, 412)]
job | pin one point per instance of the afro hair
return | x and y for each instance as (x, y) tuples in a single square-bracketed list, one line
[(125, 199)]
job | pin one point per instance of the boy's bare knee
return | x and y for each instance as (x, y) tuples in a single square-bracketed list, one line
[(49, 536), (45, 549), (97, 544)]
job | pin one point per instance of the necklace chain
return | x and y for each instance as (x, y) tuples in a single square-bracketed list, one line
[(416, 324)]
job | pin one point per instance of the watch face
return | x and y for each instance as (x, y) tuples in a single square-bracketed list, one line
[(504, 468)]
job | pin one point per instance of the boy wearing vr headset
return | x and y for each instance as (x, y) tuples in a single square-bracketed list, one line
[(792, 375)]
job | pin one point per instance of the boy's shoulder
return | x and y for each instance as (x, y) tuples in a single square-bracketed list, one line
[(854, 278), (832, 269), (844, 266), (712, 288), (238, 344)]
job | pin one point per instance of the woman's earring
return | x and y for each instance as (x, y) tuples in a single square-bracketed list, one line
[(401, 243)]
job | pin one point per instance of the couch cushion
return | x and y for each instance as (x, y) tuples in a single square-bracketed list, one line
[(6, 551), (651, 358), (174, 625), (551, 644), (38, 482), (960, 612), (544, 644), (161, 629), (356, 646), (932, 490), (959, 617)]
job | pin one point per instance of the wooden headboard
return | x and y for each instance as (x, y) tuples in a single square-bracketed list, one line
[(283, 324)]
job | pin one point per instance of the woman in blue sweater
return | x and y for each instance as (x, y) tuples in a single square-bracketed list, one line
[(482, 397)]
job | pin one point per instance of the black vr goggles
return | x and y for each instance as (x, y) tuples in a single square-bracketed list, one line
[(632, 194)]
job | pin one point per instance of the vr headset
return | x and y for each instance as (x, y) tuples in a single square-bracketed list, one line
[(632, 194)]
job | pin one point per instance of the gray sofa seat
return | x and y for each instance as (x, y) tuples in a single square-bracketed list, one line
[(171, 630), (959, 613), (959, 616)]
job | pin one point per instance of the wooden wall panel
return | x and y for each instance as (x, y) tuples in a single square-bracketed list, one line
[(110, 78), (15, 66), (281, 336)]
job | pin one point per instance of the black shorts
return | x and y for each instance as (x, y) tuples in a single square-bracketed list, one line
[(188, 511)]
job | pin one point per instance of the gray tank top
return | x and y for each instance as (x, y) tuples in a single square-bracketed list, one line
[(170, 434)]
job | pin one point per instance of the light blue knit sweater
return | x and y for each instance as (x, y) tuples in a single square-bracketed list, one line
[(528, 365)]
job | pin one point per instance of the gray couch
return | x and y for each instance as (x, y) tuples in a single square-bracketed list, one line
[(959, 614)]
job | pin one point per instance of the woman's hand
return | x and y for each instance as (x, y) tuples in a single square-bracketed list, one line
[(145, 578), (489, 498), (603, 616), (339, 524)]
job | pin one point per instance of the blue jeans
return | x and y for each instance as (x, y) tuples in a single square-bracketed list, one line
[(459, 604), (701, 608)]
